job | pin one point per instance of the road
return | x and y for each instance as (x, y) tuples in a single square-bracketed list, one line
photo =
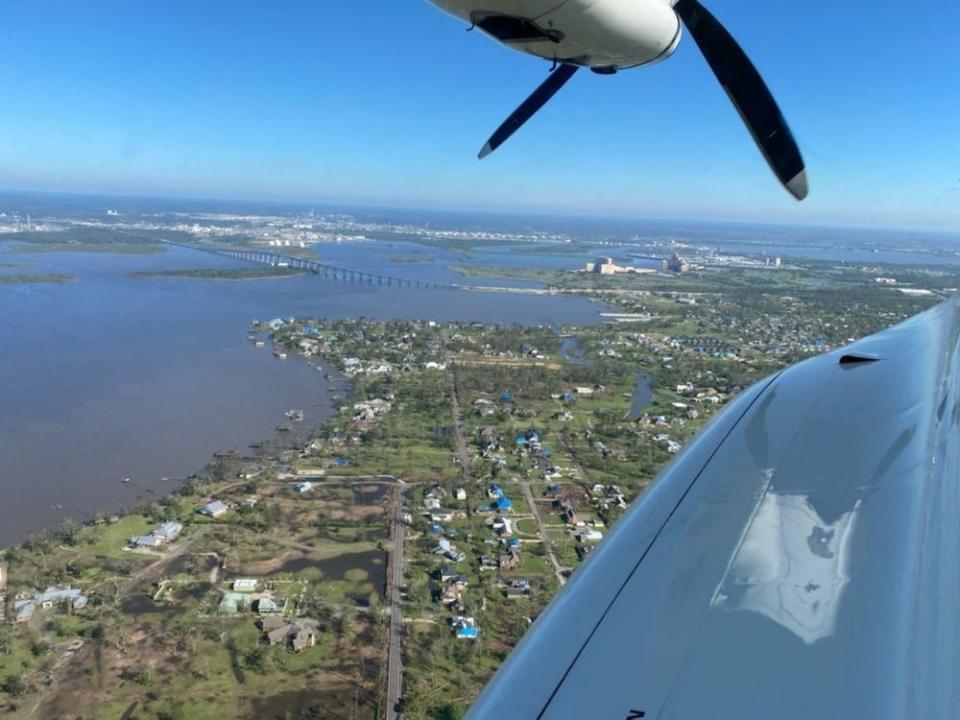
[(544, 536), (460, 438), (321, 476), (395, 653), (584, 477)]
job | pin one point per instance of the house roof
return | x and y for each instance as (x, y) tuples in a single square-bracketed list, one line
[(24, 609), (303, 638), (232, 602), (214, 507), (168, 530), (148, 540), (59, 592), (267, 605), (272, 623), (278, 635)]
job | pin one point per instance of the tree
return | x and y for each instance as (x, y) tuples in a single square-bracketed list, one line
[(189, 487), (446, 712), (173, 712), (15, 686), (256, 660), (140, 675), (69, 532), (39, 647)]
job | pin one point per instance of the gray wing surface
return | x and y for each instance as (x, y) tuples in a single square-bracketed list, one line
[(800, 559)]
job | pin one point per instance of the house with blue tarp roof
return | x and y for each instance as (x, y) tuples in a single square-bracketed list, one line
[(466, 628), (495, 491), (506, 397), (503, 504)]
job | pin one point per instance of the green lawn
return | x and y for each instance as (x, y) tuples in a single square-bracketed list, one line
[(528, 527), (110, 539)]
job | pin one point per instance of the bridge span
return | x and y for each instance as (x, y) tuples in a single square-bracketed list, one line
[(318, 268)]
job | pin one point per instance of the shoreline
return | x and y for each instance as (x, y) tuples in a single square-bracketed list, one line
[(185, 275), (337, 385), (36, 279)]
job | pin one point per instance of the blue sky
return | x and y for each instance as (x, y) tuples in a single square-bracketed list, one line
[(388, 101)]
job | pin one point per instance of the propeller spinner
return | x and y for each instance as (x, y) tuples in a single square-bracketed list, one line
[(610, 35)]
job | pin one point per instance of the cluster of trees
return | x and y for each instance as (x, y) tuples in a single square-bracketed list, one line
[(15, 686)]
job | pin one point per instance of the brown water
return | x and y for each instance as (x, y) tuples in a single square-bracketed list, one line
[(110, 377)]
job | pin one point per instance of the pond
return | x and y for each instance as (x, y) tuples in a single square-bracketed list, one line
[(642, 395), (373, 563)]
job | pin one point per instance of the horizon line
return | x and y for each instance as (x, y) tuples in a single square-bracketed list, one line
[(513, 212)]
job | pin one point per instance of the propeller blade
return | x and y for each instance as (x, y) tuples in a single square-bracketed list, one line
[(749, 94), (557, 79)]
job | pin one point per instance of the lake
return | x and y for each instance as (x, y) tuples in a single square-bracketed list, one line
[(109, 377)]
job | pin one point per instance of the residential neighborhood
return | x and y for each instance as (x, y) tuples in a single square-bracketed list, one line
[(505, 455)]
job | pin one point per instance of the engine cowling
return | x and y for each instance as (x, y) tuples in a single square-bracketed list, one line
[(601, 34)]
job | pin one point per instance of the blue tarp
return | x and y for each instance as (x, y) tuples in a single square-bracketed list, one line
[(466, 632)]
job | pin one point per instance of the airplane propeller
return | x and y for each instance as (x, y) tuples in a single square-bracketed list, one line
[(736, 74), (748, 93), (556, 80)]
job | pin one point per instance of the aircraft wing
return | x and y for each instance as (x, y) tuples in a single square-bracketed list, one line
[(800, 559)]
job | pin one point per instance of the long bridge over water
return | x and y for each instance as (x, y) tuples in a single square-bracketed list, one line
[(338, 273), (318, 268)]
